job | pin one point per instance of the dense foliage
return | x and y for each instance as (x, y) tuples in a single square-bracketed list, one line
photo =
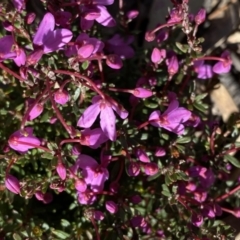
[(103, 139)]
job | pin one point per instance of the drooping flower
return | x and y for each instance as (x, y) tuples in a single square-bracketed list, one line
[(223, 66), (12, 184), (61, 97), (20, 59), (133, 169), (160, 152), (114, 61), (142, 155), (23, 140), (61, 170), (94, 174), (35, 111), (98, 215), (85, 47), (172, 64), (150, 169), (142, 92), (197, 219), (107, 117), (48, 38), (96, 11), (172, 119)]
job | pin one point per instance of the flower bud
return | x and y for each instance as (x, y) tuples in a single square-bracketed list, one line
[(114, 61), (8, 26), (200, 17), (61, 170), (61, 97), (142, 155), (149, 36), (133, 169), (160, 152), (173, 65), (150, 169), (12, 184), (111, 206), (158, 55), (35, 112), (30, 18), (132, 14), (138, 221), (197, 219), (98, 215), (142, 93), (136, 199)]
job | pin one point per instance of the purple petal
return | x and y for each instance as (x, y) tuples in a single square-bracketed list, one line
[(180, 115), (85, 161), (155, 116), (221, 67), (12, 184), (105, 18), (86, 50), (6, 44), (108, 122), (174, 127), (21, 58), (103, 2), (122, 113), (204, 71), (173, 105), (89, 116), (142, 155), (47, 25), (56, 39), (86, 24)]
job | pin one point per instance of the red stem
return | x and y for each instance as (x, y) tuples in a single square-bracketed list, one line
[(59, 116), (226, 195), (88, 80), (11, 72)]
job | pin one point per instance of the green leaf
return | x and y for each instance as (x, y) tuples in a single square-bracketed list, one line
[(234, 161), (182, 47), (200, 97), (16, 236), (85, 65), (183, 140), (76, 94), (200, 106), (60, 234)]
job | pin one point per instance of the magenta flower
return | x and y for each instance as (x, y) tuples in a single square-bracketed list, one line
[(80, 185), (172, 119), (12, 184), (158, 55), (111, 206), (93, 137), (172, 64), (223, 66), (197, 219), (94, 174), (114, 61), (160, 152), (204, 71), (98, 215), (61, 97), (142, 155), (23, 140), (107, 117), (200, 16), (138, 221), (120, 46), (44, 197), (6, 52), (150, 169), (48, 38), (85, 47), (20, 59), (35, 111), (142, 92), (61, 170), (98, 12), (132, 14), (133, 169), (86, 198)]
